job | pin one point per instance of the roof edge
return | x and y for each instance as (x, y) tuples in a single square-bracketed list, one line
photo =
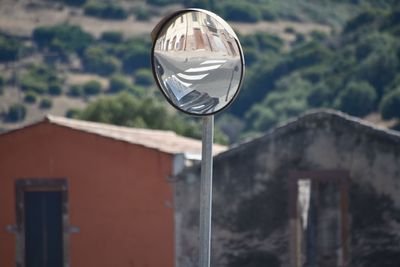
[(317, 114)]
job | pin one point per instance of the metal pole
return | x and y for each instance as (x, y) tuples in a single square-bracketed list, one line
[(206, 191)]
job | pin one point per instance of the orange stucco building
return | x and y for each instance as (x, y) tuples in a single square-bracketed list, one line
[(84, 194)]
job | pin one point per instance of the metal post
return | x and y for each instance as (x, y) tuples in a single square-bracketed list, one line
[(206, 191)]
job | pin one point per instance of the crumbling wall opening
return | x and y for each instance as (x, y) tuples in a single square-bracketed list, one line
[(319, 224)]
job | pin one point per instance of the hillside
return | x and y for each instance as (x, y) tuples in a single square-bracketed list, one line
[(69, 58)]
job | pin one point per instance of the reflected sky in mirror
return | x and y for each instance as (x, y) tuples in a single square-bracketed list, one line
[(197, 63)]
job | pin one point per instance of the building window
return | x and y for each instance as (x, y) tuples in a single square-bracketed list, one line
[(194, 16), (319, 218)]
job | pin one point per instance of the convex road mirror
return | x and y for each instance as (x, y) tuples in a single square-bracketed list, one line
[(197, 61)]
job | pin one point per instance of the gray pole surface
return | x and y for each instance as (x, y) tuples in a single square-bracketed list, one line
[(206, 191)]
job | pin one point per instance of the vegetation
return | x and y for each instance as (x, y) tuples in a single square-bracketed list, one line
[(125, 109), (76, 90), (92, 87), (241, 11), (75, 2), (142, 14), (62, 38), (144, 77), (119, 83), (9, 49), (112, 37), (2, 82), (97, 60), (45, 103), (355, 69), (30, 97), (107, 10), (390, 105), (16, 112), (39, 78)]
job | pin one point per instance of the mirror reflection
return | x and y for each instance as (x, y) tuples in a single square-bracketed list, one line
[(197, 61)]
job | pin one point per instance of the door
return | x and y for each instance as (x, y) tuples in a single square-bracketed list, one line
[(43, 229), (42, 223)]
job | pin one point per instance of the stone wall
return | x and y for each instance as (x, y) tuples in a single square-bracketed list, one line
[(251, 219)]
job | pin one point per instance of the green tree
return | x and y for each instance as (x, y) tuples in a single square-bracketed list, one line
[(39, 78), (16, 112), (30, 97), (76, 90), (96, 59), (126, 109), (144, 77), (105, 10), (112, 37), (2, 82), (358, 98), (92, 87), (241, 11), (9, 49), (390, 105), (45, 103), (62, 37), (119, 82)]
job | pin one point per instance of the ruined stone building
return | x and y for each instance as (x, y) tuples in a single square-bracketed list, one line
[(322, 190)]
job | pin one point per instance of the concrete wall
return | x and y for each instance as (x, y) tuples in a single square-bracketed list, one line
[(119, 195), (251, 222)]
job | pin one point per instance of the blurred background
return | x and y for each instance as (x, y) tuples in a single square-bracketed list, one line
[(321, 190), (90, 60)]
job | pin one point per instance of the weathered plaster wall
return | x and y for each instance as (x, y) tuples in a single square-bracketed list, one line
[(250, 205)]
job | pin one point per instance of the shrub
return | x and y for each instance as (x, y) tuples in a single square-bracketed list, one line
[(112, 37), (119, 83), (320, 96), (72, 113), (75, 2), (241, 11), (55, 89), (357, 98), (105, 10), (9, 49), (390, 105), (39, 78), (161, 2), (135, 59), (16, 112), (268, 15), (96, 60), (62, 37), (365, 18), (290, 30), (30, 83), (76, 90), (30, 97), (45, 103), (92, 87), (142, 14), (2, 82), (269, 42), (144, 77), (251, 55)]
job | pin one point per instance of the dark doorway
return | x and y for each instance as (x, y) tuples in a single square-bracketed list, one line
[(43, 229), (319, 218), (42, 217)]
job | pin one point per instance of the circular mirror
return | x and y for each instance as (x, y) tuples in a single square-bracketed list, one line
[(197, 61)]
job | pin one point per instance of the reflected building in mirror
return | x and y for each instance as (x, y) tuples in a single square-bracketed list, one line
[(198, 63)]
